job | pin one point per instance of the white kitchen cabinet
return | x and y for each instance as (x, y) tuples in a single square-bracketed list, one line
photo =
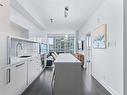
[(31, 73), (37, 61), (13, 80), (7, 86), (34, 68), (3, 82), (19, 76)]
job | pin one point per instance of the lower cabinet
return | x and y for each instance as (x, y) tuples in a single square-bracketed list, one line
[(67, 79), (34, 69), (15, 79), (6, 84), (31, 71), (19, 76)]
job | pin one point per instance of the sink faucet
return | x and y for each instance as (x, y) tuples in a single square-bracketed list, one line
[(17, 48)]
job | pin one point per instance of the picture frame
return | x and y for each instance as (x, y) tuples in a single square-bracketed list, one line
[(99, 37)]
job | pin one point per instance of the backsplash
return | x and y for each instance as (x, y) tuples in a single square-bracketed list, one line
[(23, 48)]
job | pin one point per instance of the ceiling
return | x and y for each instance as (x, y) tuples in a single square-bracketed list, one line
[(79, 12)]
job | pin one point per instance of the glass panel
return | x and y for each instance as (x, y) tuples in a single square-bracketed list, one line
[(61, 44)]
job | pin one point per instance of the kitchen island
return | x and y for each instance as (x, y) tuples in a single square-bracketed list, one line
[(67, 75)]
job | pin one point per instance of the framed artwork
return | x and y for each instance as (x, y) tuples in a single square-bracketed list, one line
[(99, 37)]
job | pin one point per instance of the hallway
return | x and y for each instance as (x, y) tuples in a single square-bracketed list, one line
[(42, 86), (38, 33)]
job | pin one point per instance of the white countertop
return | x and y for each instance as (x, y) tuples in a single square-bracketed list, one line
[(66, 58), (15, 60)]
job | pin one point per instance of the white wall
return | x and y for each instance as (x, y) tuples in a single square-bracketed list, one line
[(19, 19), (125, 47), (18, 31), (29, 7), (60, 32), (107, 64)]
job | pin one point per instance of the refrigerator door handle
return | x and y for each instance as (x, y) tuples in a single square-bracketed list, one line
[(8, 50), (8, 76)]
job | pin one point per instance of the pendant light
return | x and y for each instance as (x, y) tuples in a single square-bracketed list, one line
[(66, 10)]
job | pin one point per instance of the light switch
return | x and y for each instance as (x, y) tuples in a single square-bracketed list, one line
[(112, 44)]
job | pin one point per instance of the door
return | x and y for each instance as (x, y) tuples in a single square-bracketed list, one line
[(89, 52)]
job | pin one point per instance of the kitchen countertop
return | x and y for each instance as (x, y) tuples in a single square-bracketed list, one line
[(15, 60), (66, 58)]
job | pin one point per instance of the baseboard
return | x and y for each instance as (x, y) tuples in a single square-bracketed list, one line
[(107, 87)]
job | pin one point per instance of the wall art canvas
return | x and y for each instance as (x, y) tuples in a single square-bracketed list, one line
[(99, 37)]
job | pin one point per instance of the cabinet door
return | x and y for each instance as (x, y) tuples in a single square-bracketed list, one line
[(7, 86), (31, 71), (13, 79), (19, 77), (34, 69), (37, 63)]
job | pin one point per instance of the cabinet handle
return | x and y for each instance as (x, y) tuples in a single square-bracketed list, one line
[(20, 64), (8, 76), (8, 50)]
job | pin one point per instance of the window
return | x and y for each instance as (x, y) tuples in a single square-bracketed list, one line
[(61, 43), (43, 48)]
